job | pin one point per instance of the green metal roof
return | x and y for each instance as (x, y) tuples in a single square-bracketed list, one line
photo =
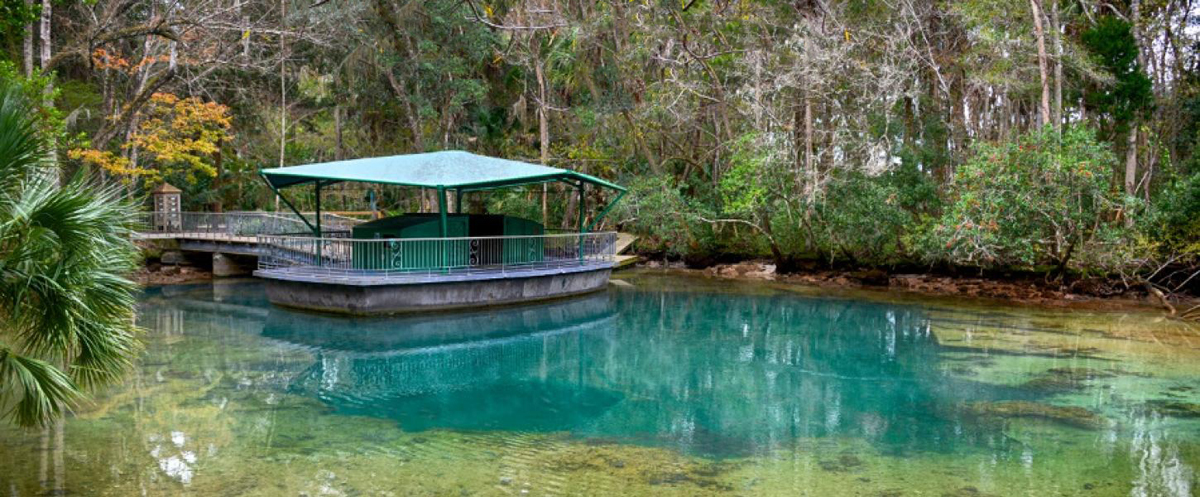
[(448, 169)]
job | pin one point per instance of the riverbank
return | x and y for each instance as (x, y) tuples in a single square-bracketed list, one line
[(1018, 289), (167, 274)]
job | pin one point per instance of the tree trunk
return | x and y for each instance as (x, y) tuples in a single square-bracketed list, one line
[(569, 213), (338, 152), (282, 84), (1131, 160), (798, 164), (1038, 30), (245, 29), (810, 170), (48, 95), (543, 132), (1131, 146), (282, 90), (1058, 67), (410, 114), (219, 181), (45, 33), (636, 131), (27, 44)]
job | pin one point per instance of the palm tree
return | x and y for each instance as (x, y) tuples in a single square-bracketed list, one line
[(66, 307)]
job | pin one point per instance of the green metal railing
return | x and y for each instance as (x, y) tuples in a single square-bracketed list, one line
[(343, 257)]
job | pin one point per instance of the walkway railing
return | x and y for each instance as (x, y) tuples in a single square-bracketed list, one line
[(285, 244), (231, 225), (347, 257)]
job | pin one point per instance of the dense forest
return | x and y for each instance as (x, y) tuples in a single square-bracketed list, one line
[(1049, 136)]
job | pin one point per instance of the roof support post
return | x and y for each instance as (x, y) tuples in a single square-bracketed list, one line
[(580, 227), (604, 212), (441, 194), (317, 230), (286, 202), (458, 200)]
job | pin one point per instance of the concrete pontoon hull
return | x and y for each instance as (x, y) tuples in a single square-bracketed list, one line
[(379, 299)]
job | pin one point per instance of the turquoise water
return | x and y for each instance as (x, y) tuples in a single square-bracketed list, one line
[(663, 384)]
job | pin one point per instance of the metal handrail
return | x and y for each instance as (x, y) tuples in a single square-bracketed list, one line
[(285, 243), (384, 257), (224, 225)]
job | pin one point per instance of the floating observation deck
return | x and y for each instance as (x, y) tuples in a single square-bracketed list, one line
[(433, 261)]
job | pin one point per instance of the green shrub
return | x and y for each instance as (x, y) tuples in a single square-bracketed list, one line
[(864, 219), (661, 214), (1041, 198), (861, 219), (1175, 221)]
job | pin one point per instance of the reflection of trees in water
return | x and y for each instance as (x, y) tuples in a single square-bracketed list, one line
[(1161, 469), (768, 369), (711, 373)]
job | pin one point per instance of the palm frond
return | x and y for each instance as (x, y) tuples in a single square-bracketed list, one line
[(41, 391), (22, 149), (66, 307)]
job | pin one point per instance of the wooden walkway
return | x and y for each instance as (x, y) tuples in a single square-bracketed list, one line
[(624, 241)]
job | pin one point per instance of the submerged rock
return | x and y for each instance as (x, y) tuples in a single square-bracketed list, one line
[(648, 465), (966, 492), (1174, 408), (1068, 415), (1065, 379), (845, 462)]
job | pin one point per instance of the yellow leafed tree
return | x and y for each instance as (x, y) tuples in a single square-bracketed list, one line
[(174, 135)]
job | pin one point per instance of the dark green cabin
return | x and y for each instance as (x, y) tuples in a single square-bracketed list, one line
[(415, 242)]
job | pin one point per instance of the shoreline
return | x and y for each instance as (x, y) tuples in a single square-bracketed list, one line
[(1023, 291), (165, 275)]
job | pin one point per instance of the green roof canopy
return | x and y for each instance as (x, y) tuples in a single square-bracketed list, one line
[(452, 170)]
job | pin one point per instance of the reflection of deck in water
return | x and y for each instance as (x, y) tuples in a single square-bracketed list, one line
[(411, 334), (474, 371)]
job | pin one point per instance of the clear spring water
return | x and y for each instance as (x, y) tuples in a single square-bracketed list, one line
[(664, 384)]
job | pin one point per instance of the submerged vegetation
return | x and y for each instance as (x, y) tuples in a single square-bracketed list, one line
[(1069, 415)]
